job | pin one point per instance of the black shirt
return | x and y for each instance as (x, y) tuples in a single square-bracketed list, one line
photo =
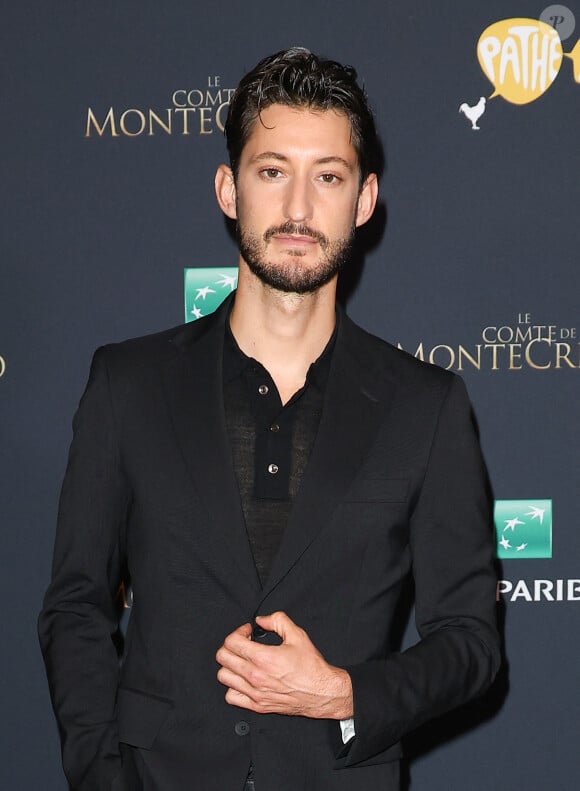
[(271, 442)]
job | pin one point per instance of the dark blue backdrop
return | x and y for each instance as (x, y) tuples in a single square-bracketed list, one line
[(482, 232)]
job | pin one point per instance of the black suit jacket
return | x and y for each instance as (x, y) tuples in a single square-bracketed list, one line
[(395, 485)]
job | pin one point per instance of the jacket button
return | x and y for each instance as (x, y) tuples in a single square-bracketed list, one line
[(242, 728)]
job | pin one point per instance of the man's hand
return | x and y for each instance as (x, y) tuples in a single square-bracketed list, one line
[(291, 678)]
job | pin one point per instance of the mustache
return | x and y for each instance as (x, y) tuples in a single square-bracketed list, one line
[(296, 229)]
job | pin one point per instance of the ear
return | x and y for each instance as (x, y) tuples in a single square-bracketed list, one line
[(367, 199), (225, 190)]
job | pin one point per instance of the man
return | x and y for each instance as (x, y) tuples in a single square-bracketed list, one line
[(270, 510)]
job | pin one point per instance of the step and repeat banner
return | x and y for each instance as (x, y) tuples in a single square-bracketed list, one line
[(111, 131)]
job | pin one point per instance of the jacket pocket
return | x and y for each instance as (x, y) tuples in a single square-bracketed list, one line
[(140, 717), (378, 490), (392, 753)]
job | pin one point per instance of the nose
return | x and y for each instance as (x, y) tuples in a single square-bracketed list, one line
[(298, 204)]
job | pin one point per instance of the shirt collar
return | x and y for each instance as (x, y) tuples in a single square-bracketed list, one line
[(235, 362)]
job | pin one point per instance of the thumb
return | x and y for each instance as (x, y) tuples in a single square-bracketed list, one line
[(277, 622)]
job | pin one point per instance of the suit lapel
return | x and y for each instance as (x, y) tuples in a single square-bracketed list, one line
[(356, 400), (193, 382)]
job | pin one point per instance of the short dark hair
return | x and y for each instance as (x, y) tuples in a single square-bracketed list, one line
[(297, 78)]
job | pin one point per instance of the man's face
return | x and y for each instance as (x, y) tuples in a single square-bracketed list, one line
[(297, 197)]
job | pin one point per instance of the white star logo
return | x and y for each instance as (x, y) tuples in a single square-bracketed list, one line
[(505, 543), (196, 312), (536, 513), (521, 546), (227, 281), (510, 524), (203, 292)]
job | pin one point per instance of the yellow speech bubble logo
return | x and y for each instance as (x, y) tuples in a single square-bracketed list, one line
[(520, 57), (575, 55)]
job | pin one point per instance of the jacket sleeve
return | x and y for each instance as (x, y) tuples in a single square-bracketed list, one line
[(452, 548), (79, 616)]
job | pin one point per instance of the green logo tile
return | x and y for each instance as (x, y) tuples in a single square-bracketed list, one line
[(206, 288), (523, 528)]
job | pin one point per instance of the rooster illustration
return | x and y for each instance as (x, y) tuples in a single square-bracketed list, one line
[(473, 113)]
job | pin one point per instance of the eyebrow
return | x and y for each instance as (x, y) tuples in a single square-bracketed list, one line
[(282, 158)]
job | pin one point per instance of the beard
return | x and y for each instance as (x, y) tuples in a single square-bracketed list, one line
[(292, 275)]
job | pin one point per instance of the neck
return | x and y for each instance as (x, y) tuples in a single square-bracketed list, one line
[(284, 332)]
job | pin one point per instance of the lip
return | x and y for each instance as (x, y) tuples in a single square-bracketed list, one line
[(295, 239)]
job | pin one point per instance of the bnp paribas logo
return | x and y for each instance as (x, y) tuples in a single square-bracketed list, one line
[(523, 528), (206, 288)]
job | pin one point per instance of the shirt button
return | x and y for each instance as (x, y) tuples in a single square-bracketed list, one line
[(263, 390), (272, 469), (242, 728), (274, 427)]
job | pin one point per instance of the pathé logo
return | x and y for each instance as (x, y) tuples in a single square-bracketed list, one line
[(522, 57)]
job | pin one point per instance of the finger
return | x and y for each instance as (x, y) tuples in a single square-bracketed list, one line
[(244, 631), (260, 695), (274, 705), (237, 642), (257, 665), (231, 680), (238, 664), (235, 698)]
